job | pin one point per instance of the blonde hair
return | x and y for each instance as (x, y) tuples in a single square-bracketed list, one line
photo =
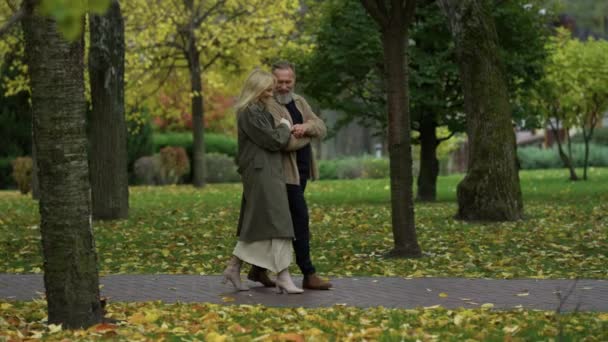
[(255, 84)]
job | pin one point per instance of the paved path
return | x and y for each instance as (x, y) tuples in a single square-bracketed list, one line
[(589, 295)]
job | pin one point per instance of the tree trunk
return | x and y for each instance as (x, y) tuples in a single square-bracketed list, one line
[(56, 72), (562, 155), (107, 126), (198, 146), (490, 190), (586, 140), (35, 183), (394, 22), (429, 165)]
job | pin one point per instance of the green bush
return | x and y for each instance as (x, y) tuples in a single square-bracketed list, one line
[(214, 143), (139, 142), (536, 158), (376, 168), (6, 169), (350, 168), (328, 169), (221, 168), (354, 167), (600, 136)]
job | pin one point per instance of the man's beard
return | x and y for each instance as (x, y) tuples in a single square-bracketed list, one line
[(284, 98)]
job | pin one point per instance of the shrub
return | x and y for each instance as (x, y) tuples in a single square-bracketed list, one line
[(22, 173), (139, 141), (350, 168), (221, 168), (375, 168), (147, 170), (328, 169), (536, 158), (214, 143), (354, 167), (600, 136), (174, 163)]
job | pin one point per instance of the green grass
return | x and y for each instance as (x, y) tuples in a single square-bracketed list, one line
[(183, 230)]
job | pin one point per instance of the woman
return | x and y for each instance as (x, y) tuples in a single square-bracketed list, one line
[(265, 230)]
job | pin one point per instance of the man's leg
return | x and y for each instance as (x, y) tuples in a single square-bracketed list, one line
[(299, 218), (301, 244)]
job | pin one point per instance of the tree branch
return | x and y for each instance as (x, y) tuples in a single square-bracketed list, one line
[(11, 21), (199, 21), (376, 10), (440, 140)]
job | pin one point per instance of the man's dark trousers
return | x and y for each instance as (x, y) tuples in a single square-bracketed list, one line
[(299, 217)]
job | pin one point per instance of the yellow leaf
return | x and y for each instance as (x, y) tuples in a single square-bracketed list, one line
[(458, 319), (215, 337), (227, 299), (523, 294), (165, 252), (210, 317), (144, 317), (292, 337), (6, 306), (54, 328), (603, 317), (511, 330), (443, 295), (432, 307), (487, 306)]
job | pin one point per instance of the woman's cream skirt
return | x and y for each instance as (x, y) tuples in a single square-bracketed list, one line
[(274, 254)]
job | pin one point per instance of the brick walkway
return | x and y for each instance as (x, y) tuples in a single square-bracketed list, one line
[(588, 295)]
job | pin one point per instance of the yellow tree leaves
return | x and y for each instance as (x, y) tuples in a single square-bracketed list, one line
[(210, 322), (232, 37)]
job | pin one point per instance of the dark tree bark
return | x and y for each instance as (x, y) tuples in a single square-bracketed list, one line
[(35, 183), (198, 146), (56, 72), (107, 126), (429, 165), (394, 22), (490, 190)]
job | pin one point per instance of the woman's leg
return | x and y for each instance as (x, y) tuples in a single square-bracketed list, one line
[(232, 273), (285, 284)]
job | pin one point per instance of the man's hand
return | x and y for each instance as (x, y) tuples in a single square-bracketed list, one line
[(298, 130)]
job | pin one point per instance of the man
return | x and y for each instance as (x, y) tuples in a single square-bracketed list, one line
[(299, 165)]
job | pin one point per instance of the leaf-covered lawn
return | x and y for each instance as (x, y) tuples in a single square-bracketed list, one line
[(185, 230), (176, 322)]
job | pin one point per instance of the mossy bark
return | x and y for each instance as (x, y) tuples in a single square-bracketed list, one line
[(491, 189), (56, 72), (107, 126)]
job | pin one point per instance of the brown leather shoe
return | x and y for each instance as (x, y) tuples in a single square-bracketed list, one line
[(314, 282), (260, 275)]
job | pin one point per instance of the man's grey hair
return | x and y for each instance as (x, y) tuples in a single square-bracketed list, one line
[(284, 65)]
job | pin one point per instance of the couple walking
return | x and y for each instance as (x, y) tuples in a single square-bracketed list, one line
[(275, 160)]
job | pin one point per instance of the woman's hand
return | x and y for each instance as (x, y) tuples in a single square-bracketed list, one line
[(286, 122)]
